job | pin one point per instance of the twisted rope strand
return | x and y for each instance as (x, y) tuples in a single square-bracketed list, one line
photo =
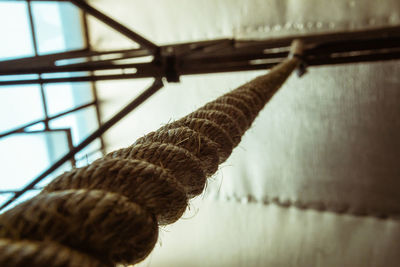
[(108, 212), (33, 253)]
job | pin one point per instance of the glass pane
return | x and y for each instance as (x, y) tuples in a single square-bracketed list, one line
[(57, 144), (16, 38), (4, 198), (82, 123), (18, 77), (36, 127), (23, 156), (89, 154), (57, 148), (19, 105), (58, 27), (72, 22), (65, 167), (87, 122), (61, 97), (28, 155), (82, 93), (58, 97)]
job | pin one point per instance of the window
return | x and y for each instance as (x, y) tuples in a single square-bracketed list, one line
[(40, 123)]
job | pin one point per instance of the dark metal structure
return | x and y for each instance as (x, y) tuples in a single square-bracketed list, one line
[(172, 61)]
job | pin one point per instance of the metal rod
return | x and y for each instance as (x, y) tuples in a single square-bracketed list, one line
[(68, 132), (89, 66), (355, 45), (243, 65), (80, 79), (240, 56), (377, 33), (116, 26), (93, 86), (353, 59), (36, 51), (157, 85), (51, 59), (44, 131), (13, 191), (98, 114), (202, 54)]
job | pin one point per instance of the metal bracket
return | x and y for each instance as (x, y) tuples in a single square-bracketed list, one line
[(297, 51), (169, 63)]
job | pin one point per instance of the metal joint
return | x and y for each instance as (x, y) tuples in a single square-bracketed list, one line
[(297, 51), (169, 62)]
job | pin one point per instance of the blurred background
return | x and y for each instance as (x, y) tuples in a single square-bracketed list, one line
[(42, 28), (314, 182)]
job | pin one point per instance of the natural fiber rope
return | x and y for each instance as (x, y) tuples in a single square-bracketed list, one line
[(109, 211)]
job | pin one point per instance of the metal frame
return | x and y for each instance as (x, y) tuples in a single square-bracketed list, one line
[(172, 61)]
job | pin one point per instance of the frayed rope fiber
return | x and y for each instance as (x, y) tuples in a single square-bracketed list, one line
[(108, 212)]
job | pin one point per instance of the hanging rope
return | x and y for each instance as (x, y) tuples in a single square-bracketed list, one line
[(109, 212)]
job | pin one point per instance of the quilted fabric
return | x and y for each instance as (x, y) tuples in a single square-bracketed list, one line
[(311, 179)]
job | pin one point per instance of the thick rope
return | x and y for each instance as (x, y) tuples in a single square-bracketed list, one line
[(109, 212)]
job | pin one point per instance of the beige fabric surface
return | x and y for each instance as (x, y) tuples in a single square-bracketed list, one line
[(327, 141), (252, 234)]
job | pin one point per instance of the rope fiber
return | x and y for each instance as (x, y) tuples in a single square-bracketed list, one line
[(108, 212)]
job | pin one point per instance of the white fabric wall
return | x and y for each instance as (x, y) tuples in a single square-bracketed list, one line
[(327, 142)]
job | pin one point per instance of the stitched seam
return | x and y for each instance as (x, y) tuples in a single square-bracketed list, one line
[(319, 25), (342, 209)]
